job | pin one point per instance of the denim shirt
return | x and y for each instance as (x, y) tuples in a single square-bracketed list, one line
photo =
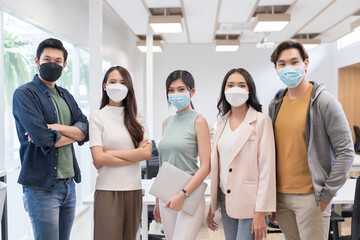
[(33, 109)]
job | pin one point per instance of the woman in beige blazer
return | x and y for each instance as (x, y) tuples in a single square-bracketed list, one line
[(242, 161)]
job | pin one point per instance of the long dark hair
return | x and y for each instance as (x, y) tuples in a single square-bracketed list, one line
[(185, 76), (224, 107), (135, 129)]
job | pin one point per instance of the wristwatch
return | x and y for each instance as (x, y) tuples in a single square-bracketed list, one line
[(185, 192)]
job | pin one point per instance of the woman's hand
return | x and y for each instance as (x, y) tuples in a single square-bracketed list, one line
[(258, 226), (144, 143), (210, 221), (156, 212), (176, 202)]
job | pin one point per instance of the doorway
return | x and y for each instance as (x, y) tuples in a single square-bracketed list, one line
[(349, 94)]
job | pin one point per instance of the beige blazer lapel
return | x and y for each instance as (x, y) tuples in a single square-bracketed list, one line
[(244, 131)]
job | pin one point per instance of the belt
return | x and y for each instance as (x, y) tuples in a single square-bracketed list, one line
[(65, 179)]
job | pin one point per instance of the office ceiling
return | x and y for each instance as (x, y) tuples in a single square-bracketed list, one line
[(204, 19)]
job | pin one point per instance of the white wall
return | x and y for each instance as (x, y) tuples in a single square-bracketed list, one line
[(209, 68), (321, 67), (69, 19)]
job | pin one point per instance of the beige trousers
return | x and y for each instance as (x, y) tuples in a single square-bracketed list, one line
[(300, 218)]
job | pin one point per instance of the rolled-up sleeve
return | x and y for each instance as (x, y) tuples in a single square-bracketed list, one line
[(81, 122), (28, 114)]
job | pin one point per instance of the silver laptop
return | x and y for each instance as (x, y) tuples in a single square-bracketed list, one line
[(170, 180)]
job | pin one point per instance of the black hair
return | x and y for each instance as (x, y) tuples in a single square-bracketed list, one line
[(224, 107), (185, 76), (288, 45), (51, 43)]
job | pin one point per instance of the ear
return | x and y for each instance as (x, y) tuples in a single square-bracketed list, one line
[(36, 60), (306, 65), (276, 70), (104, 87), (65, 63), (192, 92)]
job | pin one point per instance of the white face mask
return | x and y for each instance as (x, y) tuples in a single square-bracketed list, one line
[(236, 96), (117, 92)]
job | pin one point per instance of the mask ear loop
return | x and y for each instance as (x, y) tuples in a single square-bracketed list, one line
[(191, 104)]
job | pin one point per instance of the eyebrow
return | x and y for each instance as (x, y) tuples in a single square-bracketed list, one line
[(295, 58), (237, 82), (178, 87), (116, 79), (47, 56)]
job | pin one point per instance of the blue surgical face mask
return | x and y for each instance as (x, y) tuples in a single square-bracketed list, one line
[(291, 76), (179, 100)]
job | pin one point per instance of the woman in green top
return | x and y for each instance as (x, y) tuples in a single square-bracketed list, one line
[(185, 137)]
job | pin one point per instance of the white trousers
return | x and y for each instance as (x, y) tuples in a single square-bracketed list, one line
[(179, 225)]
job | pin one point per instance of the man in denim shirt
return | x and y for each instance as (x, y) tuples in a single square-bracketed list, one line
[(48, 122)]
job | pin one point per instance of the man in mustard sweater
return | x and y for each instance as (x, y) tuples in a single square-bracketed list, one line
[(314, 148)]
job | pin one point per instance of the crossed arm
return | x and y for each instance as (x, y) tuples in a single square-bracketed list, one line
[(69, 134), (116, 158)]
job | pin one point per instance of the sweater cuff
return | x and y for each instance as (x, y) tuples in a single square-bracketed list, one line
[(326, 196)]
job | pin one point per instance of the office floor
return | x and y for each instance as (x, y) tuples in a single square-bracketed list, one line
[(82, 229)]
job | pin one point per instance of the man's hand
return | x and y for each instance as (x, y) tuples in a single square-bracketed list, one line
[(29, 138), (54, 126), (273, 219), (323, 205)]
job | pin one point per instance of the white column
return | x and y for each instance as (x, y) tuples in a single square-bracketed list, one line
[(2, 95), (95, 71), (95, 43), (76, 72), (149, 82)]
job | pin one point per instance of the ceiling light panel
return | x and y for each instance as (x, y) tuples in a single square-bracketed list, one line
[(157, 46), (162, 3), (338, 11), (309, 43), (227, 45), (166, 24), (201, 15), (176, 37), (275, 2), (271, 22), (355, 26)]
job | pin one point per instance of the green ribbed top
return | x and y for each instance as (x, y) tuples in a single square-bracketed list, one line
[(178, 146)]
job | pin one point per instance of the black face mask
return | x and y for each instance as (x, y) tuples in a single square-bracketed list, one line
[(50, 71)]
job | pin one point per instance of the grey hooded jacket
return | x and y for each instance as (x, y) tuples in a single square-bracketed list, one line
[(329, 145)]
